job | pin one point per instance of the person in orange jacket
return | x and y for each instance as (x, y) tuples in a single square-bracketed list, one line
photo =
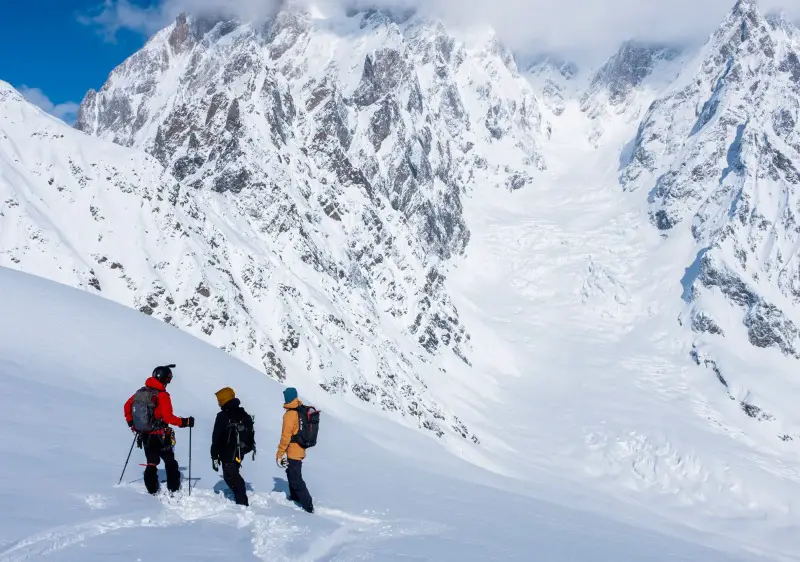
[(149, 413), (290, 455)]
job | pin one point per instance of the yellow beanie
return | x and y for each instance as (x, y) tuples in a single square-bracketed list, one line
[(225, 395)]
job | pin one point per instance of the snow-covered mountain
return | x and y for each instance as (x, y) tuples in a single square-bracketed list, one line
[(626, 84), (109, 219), (589, 272), (554, 80), (343, 147), (720, 154)]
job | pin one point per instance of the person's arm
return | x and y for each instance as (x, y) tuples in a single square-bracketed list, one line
[(129, 411), (286, 435), (165, 413), (217, 436)]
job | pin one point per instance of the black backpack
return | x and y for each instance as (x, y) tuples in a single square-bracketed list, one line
[(308, 417), (242, 435), (143, 410)]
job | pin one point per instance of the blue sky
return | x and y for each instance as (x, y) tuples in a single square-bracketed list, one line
[(46, 52)]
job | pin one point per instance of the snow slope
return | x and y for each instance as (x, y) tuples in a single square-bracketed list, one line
[(68, 360), (345, 145), (597, 382), (109, 219), (600, 372), (719, 153), (627, 321)]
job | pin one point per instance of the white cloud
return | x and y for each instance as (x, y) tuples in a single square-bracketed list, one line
[(569, 26), (67, 111), (114, 15)]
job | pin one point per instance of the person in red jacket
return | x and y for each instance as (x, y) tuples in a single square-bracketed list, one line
[(149, 413)]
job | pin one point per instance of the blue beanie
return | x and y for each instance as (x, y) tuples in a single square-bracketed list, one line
[(289, 394)]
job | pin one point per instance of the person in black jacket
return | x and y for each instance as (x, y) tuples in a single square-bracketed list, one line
[(233, 438)]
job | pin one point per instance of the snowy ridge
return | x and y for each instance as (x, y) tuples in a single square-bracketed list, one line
[(346, 146), (94, 215), (720, 153), (594, 274), (623, 88), (554, 79)]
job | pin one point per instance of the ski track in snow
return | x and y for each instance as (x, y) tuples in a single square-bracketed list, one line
[(273, 528)]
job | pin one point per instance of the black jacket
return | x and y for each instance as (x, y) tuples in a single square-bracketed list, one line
[(223, 444)]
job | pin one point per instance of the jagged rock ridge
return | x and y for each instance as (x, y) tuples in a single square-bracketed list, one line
[(345, 148), (720, 154)]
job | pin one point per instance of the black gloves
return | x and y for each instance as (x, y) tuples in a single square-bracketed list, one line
[(130, 425), (215, 464), (187, 422)]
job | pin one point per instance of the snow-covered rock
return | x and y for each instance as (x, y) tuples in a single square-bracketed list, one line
[(302, 197), (627, 83), (554, 79), (366, 315), (335, 200), (345, 146), (720, 154)]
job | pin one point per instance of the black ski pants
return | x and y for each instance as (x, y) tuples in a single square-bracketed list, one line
[(298, 491), (234, 480), (155, 452)]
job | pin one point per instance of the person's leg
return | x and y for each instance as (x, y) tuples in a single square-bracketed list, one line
[(173, 471), (151, 453), (290, 480), (297, 487), (234, 480)]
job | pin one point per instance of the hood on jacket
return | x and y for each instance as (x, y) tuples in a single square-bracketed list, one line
[(231, 404), (293, 404), (153, 382)]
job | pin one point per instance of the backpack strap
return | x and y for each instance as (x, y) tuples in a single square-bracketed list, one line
[(294, 437)]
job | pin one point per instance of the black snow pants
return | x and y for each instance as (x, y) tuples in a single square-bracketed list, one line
[(234, 480), (298, 492), (155, 451)]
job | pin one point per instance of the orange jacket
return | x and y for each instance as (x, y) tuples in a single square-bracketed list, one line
[(291, 426)]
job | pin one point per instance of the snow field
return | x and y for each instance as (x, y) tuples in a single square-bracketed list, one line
[(69, 360)]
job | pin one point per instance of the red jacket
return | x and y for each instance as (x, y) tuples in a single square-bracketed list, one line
[(163, 405)]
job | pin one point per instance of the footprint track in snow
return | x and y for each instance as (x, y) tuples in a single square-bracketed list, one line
[(271, 532), (58, 538)]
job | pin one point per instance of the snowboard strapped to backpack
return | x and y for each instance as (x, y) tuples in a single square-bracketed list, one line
[(143, 410), (242, 434), (308, 417)]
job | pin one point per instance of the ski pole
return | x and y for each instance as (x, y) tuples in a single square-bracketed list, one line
[(126, 460), (190, 460)]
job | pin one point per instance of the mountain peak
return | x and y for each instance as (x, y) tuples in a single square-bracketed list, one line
[(181, 37), (745, 17), (548, 63), (743, 7), (628, 68), (350, 157)]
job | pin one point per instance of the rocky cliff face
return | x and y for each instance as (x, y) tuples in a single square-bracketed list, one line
[(554, 79), (307, 179), (623, 87), (334, 154), (720, 154)]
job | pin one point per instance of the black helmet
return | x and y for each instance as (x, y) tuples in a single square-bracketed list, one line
[(163, 374)]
